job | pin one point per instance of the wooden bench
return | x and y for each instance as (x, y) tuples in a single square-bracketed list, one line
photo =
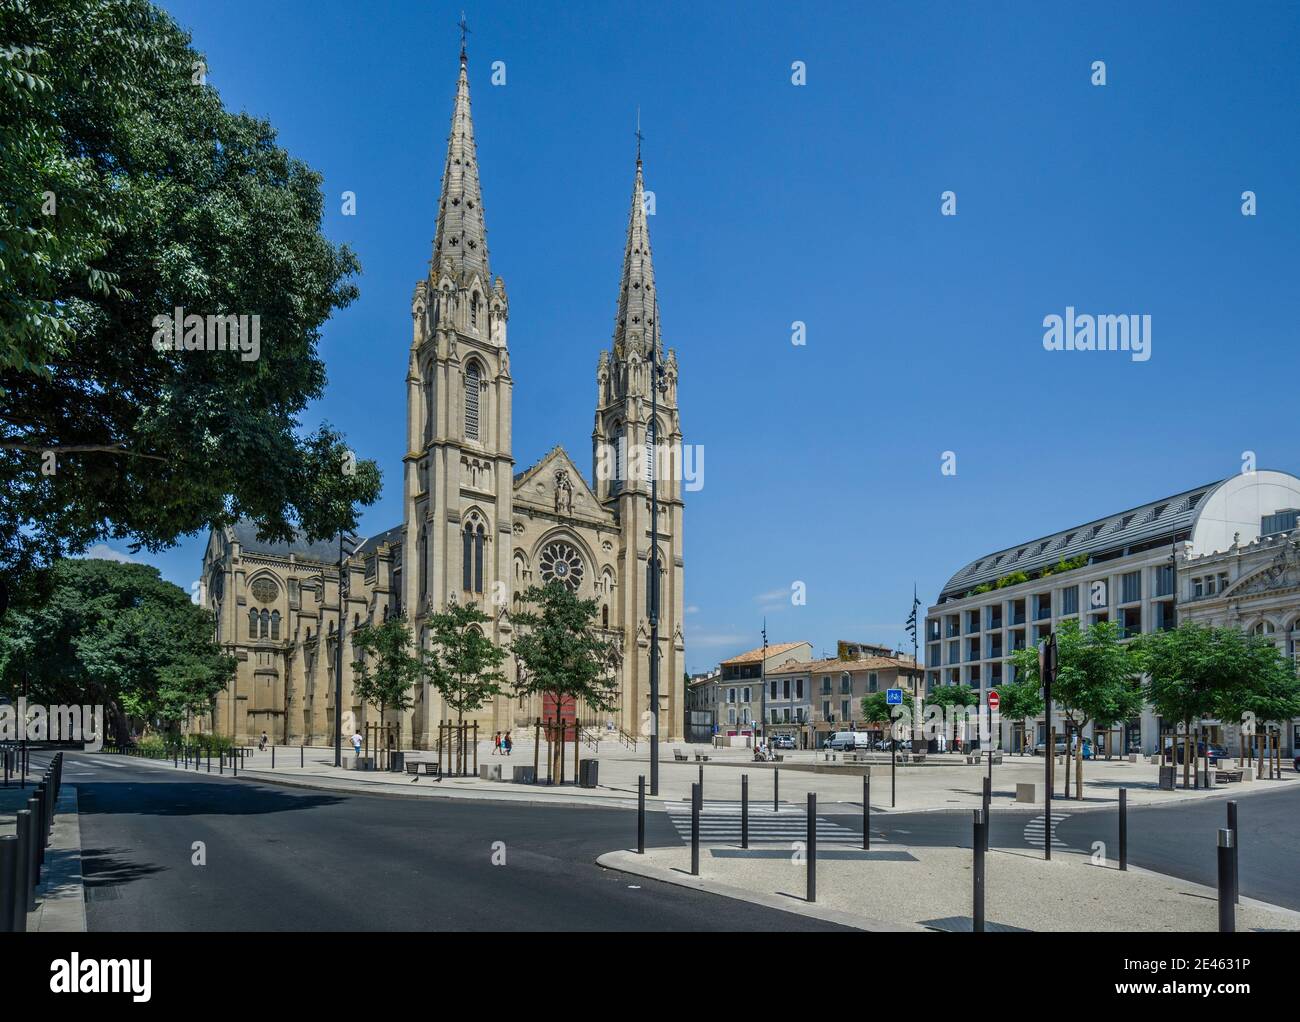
[(680, 756), (1227, 775), (701, 758), (423, 768)]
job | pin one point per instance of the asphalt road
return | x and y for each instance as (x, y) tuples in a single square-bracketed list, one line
[(289, 859)]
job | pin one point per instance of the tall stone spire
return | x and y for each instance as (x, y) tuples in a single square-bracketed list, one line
[(460, 246), (636, 321)]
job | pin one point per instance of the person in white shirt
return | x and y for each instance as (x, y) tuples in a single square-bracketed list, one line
[(356, 742)]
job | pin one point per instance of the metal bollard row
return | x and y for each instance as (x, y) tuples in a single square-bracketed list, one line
[(22, 854)]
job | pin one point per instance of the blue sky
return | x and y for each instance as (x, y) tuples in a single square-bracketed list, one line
[(821, 203)]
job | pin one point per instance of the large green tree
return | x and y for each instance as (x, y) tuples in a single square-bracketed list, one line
[(116, 635), (127, 190), (1196, 671), (386, 669), (953, 699), (1098, 680)]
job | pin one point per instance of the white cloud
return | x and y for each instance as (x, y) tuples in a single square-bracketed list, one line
[(104, 552), (708, 640)]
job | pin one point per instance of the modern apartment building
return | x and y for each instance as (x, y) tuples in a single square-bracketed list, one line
[(1142, 568)]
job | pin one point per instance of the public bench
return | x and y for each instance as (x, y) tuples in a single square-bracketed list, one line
[(423, 768), (680, 756), (1228, 775), (701, 758)]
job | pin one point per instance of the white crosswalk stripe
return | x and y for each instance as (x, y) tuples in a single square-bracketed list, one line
[(1035, 830), (720, 823)]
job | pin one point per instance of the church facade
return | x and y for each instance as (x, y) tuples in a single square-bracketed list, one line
[(474, 528)]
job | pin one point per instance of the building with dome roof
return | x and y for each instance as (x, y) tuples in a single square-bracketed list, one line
[(1226, 553)]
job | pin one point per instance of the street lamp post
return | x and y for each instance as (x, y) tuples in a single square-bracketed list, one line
[(346, 548), (657, 383)]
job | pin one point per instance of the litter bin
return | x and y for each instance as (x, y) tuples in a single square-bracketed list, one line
[(588, 773), (1167, 774), (396, 761)]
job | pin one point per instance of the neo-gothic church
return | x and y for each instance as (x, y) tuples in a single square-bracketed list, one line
[(474, 528)]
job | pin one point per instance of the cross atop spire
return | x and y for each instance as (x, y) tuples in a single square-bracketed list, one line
[(461, 238), (464, 31)]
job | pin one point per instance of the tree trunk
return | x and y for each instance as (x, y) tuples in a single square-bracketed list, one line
[(1078, 768)]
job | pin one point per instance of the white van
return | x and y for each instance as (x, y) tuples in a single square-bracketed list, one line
[(844, 740)]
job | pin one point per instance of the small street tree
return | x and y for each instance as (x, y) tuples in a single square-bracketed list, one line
[(561, 652), (876, 710), (954, 701), (463, 664), (386, 670), (1020, 700)]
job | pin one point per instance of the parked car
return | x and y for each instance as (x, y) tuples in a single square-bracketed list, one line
[(849, 740), (783, 742), (1041, 748), (1216, 752)]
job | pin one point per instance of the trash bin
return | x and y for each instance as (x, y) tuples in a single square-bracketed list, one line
[(588, 773), (1167, 774), (396, 761)]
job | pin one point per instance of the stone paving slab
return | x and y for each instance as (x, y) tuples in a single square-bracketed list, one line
[(930, 888)]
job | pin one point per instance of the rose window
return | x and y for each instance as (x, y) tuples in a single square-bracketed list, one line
[(560, 562)]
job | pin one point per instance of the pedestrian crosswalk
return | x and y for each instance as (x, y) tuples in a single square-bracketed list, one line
[(1035, 830), (720, 823)]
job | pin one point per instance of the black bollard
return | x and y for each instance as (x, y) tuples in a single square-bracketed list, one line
[(744, 810), (980, 839), (866, 810), (1123, 828), (34, 850), (24, 898), (695, 830), (176, 756), (812, 846), (221, 763), (1227, 897), (9, 851), (776, 789), (1236, 843), (640, 815), (302, 756), (701, 782), (272, 757)]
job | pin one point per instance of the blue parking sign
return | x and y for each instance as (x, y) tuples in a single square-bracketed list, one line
[(893, 697)]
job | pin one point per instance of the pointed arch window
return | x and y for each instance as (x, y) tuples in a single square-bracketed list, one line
[(479, 536), (467, 579), (428, 404), (620, 458), (604, 617), (275, 624), (650, 453), (266, 624), (473, 310), (653, 583), (253, 620), (424, 561), (473, 381)]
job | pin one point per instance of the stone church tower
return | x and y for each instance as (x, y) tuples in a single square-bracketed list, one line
[(473, 529), (458, 464), (628, 448)]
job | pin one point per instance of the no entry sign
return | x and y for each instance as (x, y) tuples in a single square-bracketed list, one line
[(994, 700)]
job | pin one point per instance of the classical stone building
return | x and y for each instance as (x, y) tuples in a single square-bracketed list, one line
[(475, 529)]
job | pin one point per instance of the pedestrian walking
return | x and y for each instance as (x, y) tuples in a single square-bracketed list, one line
[(496, 743), (507, 743), (261, 744), (356, 742)]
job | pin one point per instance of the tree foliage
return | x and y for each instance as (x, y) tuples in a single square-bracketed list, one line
[(560, 650), (118, 635), (462, 663), (126, 191), (385, 671)]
